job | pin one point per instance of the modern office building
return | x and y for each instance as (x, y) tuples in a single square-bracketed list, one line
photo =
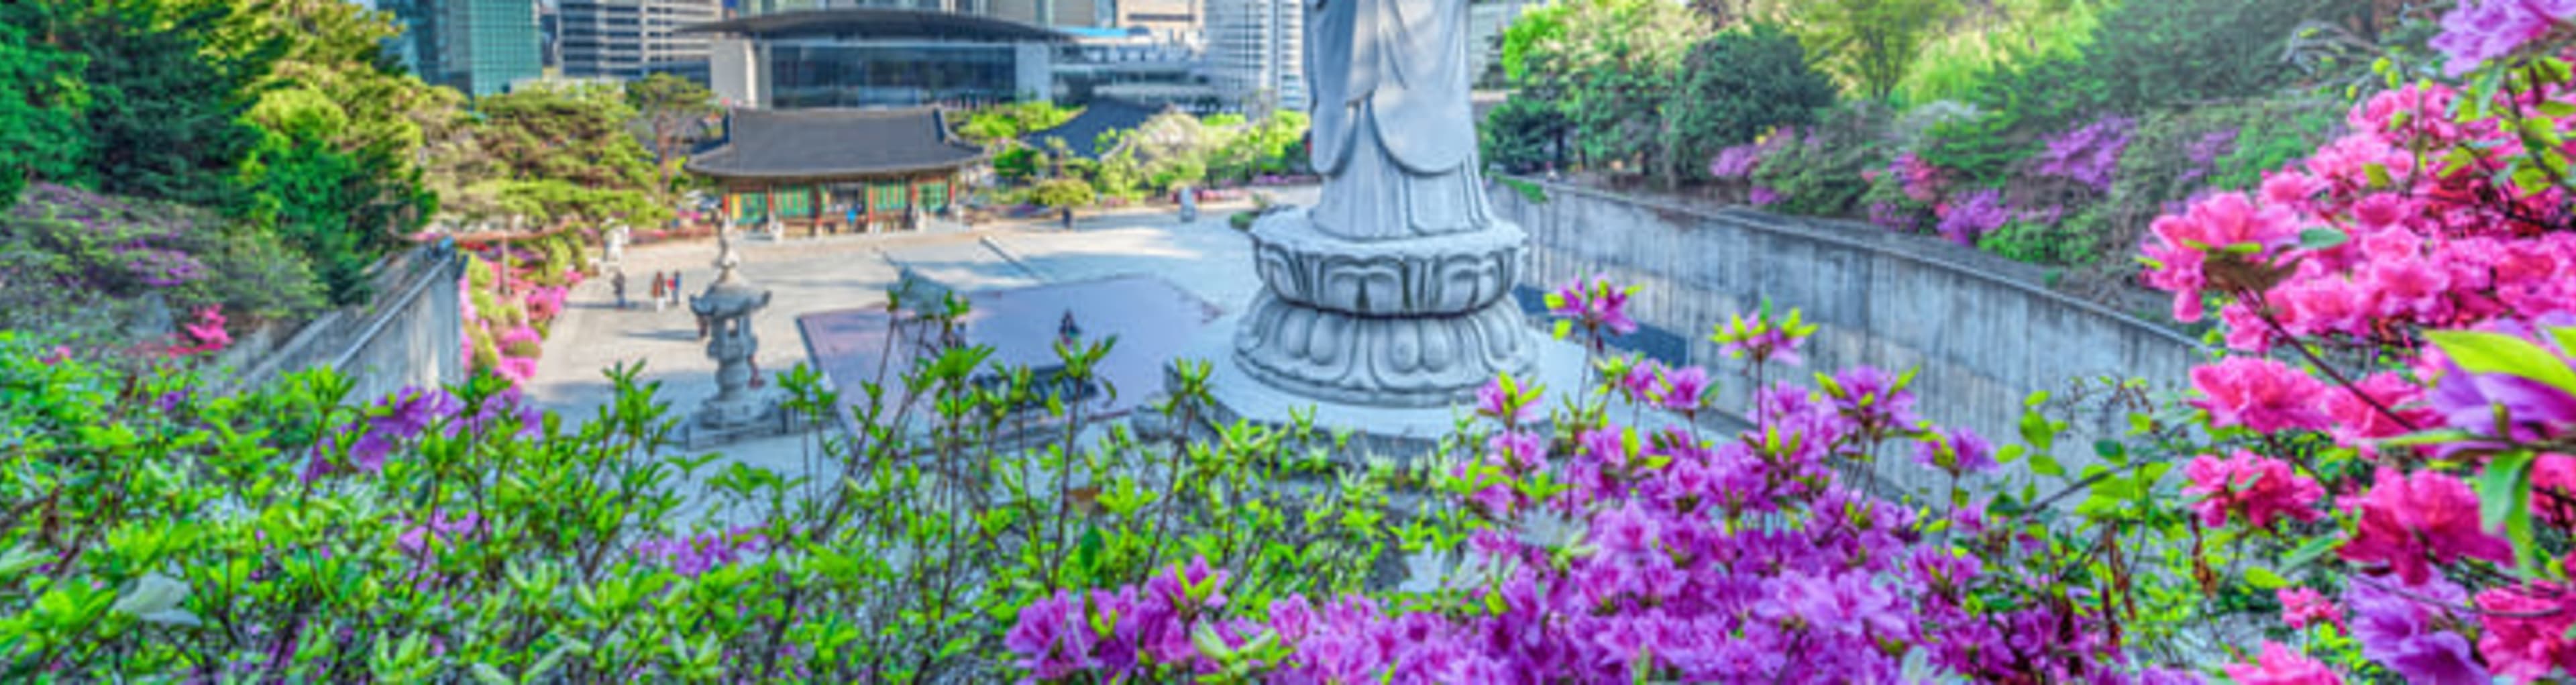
[(872, 57), (1133, 64), (626, 39), (1057, 13), (1173, 21), (1257, 53), (476, 46)]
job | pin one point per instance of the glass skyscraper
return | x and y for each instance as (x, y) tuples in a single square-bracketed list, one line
[(475, 46)]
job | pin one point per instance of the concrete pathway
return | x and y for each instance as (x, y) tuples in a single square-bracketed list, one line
[(1208, 258)]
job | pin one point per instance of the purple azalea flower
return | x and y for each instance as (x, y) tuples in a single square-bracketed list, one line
[(1869, 395), (1519, 449), (1684, 388), (2401, 634), (409, 411), (367, 455), (1958, 451), (1494, 402)]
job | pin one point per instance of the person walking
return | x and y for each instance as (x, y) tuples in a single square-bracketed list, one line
[(1068, 218), (675, 288), (617, 283), (659, 298)]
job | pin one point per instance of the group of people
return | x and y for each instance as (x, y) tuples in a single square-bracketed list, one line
[(666, 289)]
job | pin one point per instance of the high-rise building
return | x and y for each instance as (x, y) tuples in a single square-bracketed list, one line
[(1175, 21), (626, 39), (476, 46), (1257, 53)]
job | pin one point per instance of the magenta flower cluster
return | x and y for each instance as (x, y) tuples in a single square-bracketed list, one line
[(1974, 216), (691, 555), (2089, 154), (2482, 30), (1737, 560)]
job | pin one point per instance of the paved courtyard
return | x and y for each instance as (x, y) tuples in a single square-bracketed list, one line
[(1207, 258)]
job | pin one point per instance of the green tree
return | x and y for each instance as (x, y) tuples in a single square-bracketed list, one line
[(1523, 134), (168, 87), (1871, 43), (1610, 70), (341, 207), (672, 109), (1064, 193), (1735, 86), (2157, 55), (40, 123), (563, 154)]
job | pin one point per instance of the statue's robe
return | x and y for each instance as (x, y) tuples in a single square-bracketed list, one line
[(1393, 134)]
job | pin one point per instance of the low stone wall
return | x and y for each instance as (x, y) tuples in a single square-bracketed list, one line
[(408, 334), (1984, 331)]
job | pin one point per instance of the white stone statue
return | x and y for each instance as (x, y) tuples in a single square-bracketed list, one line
[(1394, 135), (1393, 290)]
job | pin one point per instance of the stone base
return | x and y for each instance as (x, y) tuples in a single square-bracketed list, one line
[(747, 418), (1399, 433), (1417, 361)]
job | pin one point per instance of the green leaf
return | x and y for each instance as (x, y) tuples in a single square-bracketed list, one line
[(2264, 578), (2504, 500), (487, 675), (2322, 238), (2483, 352), (2041, 463), (2315, 546)]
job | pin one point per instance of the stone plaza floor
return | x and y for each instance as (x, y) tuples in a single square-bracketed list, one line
[(1207, 258)]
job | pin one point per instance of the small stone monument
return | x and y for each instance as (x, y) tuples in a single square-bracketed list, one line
[(615, 253), (727, 304)]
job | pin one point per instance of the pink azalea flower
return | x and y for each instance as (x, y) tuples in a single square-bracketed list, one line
[(2261, 394), (2303, 606), (2256, 489), (2411, 521), (2526, 629), (2281, 665), (2355, 421)]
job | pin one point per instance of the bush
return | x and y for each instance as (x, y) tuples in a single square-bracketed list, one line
[(1064, 193), (1734, 87), (68, 255), (2149, 56), (1821, 172), (1523, 135)]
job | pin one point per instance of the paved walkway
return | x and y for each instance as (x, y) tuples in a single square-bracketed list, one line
[(1207, 258)]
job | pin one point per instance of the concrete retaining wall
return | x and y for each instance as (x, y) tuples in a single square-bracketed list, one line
[(1982, 330), (408, 334)]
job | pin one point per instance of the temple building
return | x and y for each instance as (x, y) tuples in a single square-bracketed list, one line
[(837, 170)]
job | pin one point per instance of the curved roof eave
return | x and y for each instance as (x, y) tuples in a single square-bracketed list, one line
[(824, 173)]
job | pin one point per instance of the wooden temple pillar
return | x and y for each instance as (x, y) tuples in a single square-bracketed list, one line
[(912, 205), (768, 204), (813, 210)]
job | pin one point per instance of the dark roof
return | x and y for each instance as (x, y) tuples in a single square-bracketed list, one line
[(880, 23), (1082, 133), (802, 143)]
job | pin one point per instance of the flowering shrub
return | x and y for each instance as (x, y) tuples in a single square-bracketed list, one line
[(77, 263), (2416, 268), (293, 533), (2087, 155), (1975, 215), (1601, 552)]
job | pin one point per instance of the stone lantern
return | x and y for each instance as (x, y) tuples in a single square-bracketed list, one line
[(727, 305)]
